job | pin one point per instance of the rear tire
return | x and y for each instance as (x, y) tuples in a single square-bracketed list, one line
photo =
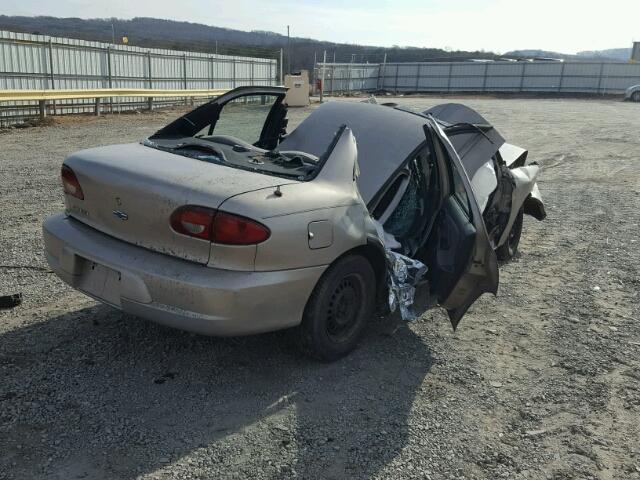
[(338, 310), (635, 96), (509, 249)]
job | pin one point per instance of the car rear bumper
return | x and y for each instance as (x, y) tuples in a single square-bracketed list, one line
[(172, 291)]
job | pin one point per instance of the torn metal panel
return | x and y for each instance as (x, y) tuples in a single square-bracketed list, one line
[(404, 274), (513, 156), (525, 182), (484, 183), (533, 204)]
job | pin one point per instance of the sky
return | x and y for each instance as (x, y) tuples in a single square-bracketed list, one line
[(565, 26)]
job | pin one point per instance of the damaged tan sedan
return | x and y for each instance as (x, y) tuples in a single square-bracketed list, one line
[(222, 223)]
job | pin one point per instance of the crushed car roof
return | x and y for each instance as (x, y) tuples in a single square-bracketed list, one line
[(476, 143), (385, 137)]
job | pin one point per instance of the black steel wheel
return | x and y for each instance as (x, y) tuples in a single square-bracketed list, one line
[(635, 96), (339, 308)]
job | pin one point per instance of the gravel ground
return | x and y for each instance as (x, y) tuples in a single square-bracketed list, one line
[(541, 382)]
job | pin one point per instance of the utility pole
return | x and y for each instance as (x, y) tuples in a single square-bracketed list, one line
[(324, 66), (382, 74), (288, 51), (113, 31), (349, 74), (314, 74)]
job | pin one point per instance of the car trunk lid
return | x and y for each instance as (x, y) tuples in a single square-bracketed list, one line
[(130, 192)]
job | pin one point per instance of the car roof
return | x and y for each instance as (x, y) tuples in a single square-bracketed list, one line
[(474, 147), (385, 137)]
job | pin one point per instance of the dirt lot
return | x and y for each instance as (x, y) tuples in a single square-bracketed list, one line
[(541, 382)]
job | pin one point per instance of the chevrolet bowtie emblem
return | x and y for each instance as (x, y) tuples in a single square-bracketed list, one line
[(121, 215)]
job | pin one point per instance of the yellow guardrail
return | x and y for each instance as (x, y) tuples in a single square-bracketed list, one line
[(43, 95)]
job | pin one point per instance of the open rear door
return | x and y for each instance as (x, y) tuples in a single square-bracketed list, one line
[(462, 263)]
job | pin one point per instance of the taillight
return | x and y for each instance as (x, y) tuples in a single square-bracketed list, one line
[(193, 221), (70, 183), (218, 227), (236, 230)]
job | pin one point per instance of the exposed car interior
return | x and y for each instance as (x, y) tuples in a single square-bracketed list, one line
[(242, 133)]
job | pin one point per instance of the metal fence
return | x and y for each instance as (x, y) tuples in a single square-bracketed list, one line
[(41, 62), (530, 77)]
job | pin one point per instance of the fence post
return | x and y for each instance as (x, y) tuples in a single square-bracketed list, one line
[(281, 68), (395, 88), (484, 79), (184, 76), (418, 77), (184, 71), (52, 73), (449, 78), (524, 66), (234, 73), (561, 78), (349, 78), (217, 75), (333, 75), (149, 80), (109, 77), (252, 78), (211, 72), (324, 66), (382, 73), (600, 78), (314, 72), (42, 107)]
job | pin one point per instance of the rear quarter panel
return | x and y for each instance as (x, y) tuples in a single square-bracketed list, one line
[(288, 217)]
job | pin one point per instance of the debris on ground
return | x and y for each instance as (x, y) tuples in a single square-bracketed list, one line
[(10, 301)]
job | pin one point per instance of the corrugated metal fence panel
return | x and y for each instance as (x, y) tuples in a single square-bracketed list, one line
[(41, 62), (543, 77), (617, 76)]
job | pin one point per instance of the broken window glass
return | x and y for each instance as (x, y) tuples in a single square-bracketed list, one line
[(401, 223)]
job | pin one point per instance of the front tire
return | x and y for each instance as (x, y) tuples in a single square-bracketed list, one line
[(635, 96), (508, 249), (338, 310)]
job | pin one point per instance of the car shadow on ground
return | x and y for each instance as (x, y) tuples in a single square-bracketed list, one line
[(98, 394)]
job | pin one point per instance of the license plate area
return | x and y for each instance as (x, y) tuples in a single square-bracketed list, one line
[(100, 282)]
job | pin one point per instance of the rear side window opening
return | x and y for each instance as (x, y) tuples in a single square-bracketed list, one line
[(242, 118), (415, 210)]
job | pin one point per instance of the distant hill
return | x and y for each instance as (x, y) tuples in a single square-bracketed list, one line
[(538, 53), (612, 54), (156, 33)]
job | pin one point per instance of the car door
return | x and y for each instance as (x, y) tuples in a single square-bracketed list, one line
[(245, 116), (462, 263)]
